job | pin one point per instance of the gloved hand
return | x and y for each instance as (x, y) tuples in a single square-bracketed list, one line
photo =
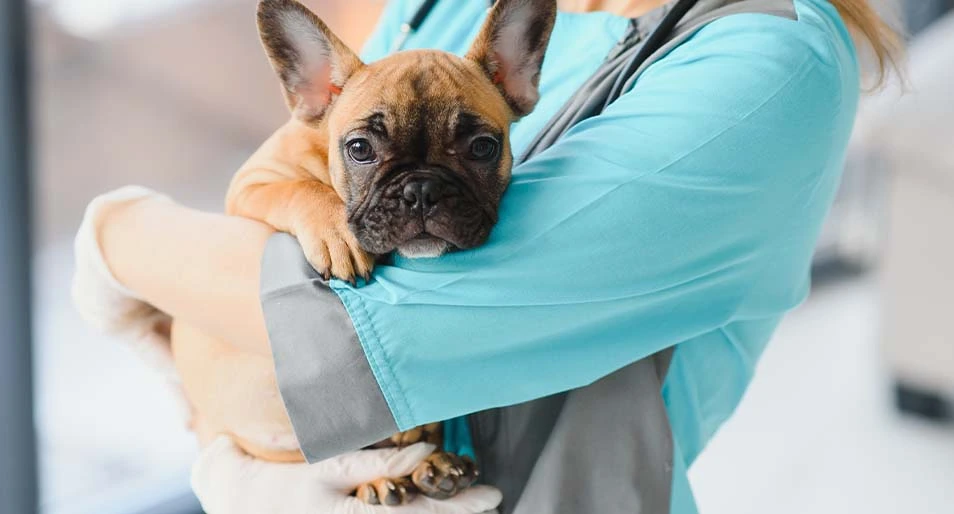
[(106, 304), (228, 481)]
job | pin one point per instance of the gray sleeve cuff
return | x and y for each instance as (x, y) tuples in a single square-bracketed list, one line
[(326, 383)]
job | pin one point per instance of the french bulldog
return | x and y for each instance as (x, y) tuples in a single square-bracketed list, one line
[(409, 154)]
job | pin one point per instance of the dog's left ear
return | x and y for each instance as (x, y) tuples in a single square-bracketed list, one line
[(312, 63), (510, 49)]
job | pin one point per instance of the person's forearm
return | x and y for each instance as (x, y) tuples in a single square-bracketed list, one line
[(199, 267)]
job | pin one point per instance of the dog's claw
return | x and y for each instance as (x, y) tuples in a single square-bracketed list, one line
[(387, 491)]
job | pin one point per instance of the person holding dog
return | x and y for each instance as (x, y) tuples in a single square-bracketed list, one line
[(643, 257)]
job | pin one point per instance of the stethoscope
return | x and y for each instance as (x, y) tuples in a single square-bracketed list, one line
[(411, 26)]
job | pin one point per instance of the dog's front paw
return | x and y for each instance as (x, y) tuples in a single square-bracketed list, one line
[(443, 475), (334, 252), (387, 491)]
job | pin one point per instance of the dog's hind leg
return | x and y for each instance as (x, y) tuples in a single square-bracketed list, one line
[(249, 410)]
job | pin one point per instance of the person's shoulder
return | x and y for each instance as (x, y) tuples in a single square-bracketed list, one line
[(814, 44), (787, 67), (781, 91)]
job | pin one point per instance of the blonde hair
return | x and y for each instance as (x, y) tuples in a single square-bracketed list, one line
[(870, 29)]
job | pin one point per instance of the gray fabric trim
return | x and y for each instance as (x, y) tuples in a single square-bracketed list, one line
[(329, 390), (606, 448)]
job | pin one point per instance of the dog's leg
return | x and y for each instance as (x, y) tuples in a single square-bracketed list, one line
[(311, 211), (249, 410)]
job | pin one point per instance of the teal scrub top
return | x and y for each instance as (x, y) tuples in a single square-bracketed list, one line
[(684, 216)]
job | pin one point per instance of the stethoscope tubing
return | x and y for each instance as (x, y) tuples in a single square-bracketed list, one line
[(409, 27)]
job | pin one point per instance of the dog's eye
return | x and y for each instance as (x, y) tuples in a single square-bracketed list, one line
[(483, 148), (360, 150)]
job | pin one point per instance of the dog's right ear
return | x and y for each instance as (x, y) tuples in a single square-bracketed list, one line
[(312, 63)]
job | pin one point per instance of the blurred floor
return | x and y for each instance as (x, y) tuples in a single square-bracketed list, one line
[(817, 433)]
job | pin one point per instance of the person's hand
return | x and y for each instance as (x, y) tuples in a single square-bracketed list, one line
[(106, 304), (229, 481)]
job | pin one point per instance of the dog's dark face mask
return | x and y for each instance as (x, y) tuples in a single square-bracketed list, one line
[(427, 163), (418, 142)]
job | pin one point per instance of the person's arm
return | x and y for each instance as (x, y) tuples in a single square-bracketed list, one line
[(692, 203), (196, 266)]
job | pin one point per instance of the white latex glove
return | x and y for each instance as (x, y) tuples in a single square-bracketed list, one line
[(106, 304), (228, 481)]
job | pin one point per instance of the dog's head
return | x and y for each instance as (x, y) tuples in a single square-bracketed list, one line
[(418, 143)]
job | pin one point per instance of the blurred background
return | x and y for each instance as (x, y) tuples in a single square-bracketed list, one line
[(849, 412)]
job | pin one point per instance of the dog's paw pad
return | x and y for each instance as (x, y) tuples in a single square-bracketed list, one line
[(443, 475)]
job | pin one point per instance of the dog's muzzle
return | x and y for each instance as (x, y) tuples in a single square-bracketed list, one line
[(424, 213)]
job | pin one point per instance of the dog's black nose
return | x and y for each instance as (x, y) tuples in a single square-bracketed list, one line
[(423, 193)]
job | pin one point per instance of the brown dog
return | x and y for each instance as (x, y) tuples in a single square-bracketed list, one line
[(408, 154)]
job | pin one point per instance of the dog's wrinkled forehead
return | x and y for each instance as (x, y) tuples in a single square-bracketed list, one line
[(421, 100)]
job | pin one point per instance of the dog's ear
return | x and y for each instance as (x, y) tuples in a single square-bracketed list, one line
[(510, 49), (312, 63)]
